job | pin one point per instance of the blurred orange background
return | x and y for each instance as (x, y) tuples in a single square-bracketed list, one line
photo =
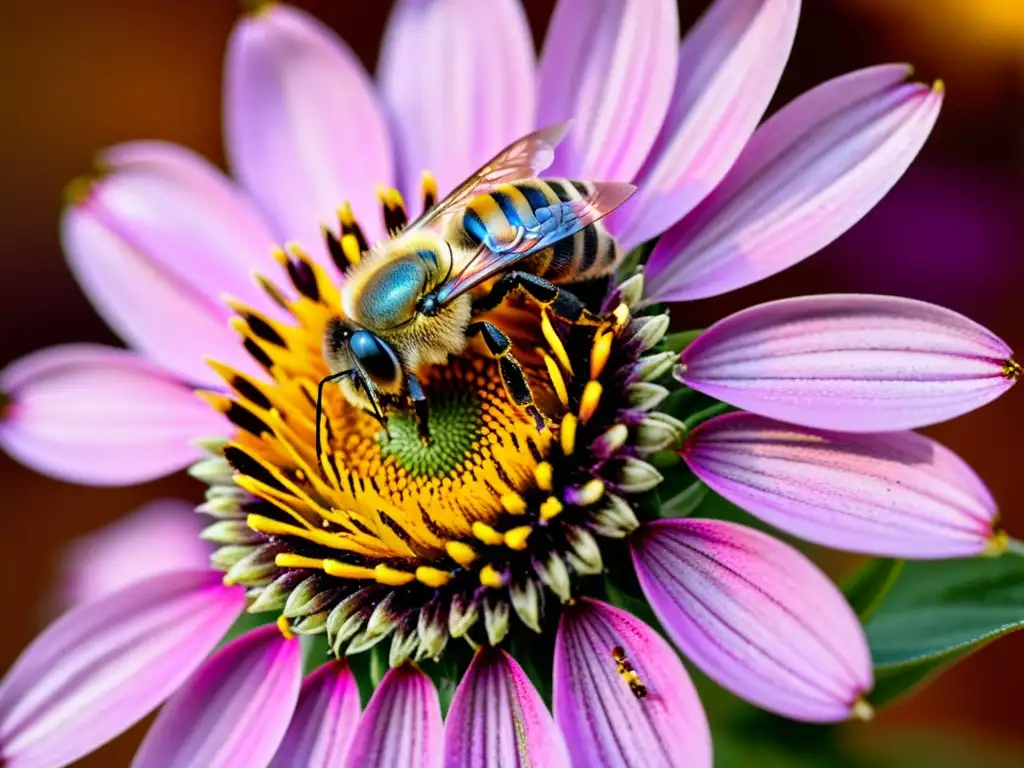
[(78, 76)]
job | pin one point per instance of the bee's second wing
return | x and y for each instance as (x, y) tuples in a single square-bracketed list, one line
[(500, 250), (523, 159)]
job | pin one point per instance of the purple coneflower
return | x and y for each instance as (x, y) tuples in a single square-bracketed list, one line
[(494, 533)]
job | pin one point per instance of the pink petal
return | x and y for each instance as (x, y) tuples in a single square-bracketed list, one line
[(809, 174), (401, 727), (729, 66), (850, 362), (234, 711), (160, 537), (100, 416), (324, 721), (609, 65), (304, 131), (102, 667), (455, 103), (756, 616), (498, 719), (118, 243), (895, 494), (603, 721)]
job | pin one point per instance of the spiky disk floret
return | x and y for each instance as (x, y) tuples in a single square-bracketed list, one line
[(425, 542)]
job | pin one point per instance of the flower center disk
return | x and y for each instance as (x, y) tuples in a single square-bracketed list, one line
[(422, 540)]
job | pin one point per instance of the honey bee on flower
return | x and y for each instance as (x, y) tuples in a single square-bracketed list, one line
[(436, 446)]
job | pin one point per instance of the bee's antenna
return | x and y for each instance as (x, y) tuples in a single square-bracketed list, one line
[(320, 412)]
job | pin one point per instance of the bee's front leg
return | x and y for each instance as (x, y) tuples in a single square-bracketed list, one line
[(419, 404), (562, 303)]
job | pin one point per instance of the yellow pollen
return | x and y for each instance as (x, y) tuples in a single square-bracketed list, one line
[(350, 246), (996, 544), (542, 475), (489, 577), (487, 535), (345, 215), (513, 503), (590, 493), (550, 509), (432, 577), (621, 316), (590, 400), (78, 190), (600, 353), (554, 342), (567, 435), (516, 538), (1012, 370), (461, 553), (428, 184), (939, 86), (391, 576), (288, 560), (862, 710), (390, 197), (555, 375), (346, 571), (285, 628)]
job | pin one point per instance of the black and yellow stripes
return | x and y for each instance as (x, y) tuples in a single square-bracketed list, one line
[(590, 253)]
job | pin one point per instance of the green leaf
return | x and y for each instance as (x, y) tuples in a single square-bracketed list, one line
[(245, 623), (939, 612), (867, 588), (682, 502), (677, 342)]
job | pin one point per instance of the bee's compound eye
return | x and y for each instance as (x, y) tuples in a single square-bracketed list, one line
[(375, 357)]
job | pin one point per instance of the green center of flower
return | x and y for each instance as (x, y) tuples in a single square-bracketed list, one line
[(455, 417)]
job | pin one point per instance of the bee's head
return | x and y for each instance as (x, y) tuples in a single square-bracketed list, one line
[(375, 359)]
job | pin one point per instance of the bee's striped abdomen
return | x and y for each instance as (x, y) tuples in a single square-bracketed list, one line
[(588, 254)]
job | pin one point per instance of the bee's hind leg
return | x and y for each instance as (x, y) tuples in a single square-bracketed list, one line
[(560, 302), (419, 404), (499, 345)]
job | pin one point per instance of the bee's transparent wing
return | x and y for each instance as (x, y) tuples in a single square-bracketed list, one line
[(500, 250), (523, 159)]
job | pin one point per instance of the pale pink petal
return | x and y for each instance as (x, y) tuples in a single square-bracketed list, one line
[(189, 220), (604, 722), (497, 719), (609, 66), (233, 711), (729, 66), (165, 317), (895, 494), (324, 721), (100, 416), (806, 176), (855, 363), (304, 130), (159, 537), (401, 727), (458, 78), (102, 667), (756, 616)]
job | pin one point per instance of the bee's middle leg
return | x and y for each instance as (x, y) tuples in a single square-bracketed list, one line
[(562, 303), (499, 345), (420, 406)]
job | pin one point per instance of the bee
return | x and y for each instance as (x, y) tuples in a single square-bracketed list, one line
[(628, 673), (410, 301)]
